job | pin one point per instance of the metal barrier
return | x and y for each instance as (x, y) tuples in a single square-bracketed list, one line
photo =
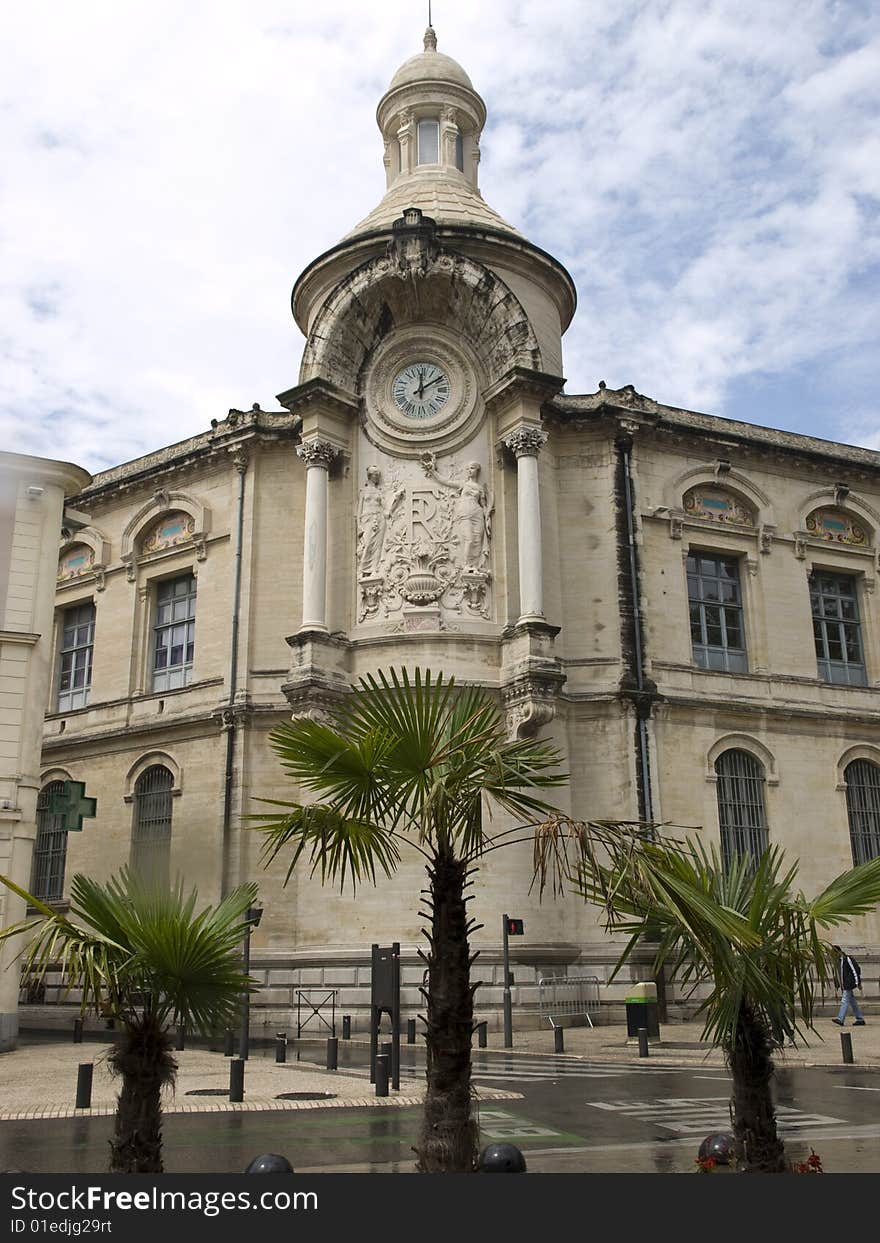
[(566, 999), (316, 1001)]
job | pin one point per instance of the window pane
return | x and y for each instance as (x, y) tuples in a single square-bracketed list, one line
[(429, 142)]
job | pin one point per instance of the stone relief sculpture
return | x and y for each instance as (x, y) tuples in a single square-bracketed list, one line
[(424, 544), (473, 511), (372, 516)]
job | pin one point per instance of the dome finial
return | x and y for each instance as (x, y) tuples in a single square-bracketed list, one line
[(430, 34)]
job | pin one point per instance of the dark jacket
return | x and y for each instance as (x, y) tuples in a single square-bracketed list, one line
[(849, 972)]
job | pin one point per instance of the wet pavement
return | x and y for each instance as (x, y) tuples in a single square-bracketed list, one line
[(574, 1115)]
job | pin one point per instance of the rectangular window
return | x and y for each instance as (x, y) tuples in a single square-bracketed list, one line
[(429, 142), (459, 153), (174, 633), (75, 671), (716, 613), (836, 628)]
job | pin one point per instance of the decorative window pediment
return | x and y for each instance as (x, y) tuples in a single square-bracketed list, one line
[(836, 526), (75, 560), (171, 529), (717, 505)]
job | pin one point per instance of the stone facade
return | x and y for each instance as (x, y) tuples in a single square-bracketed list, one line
[(32, 492), (427, 495)]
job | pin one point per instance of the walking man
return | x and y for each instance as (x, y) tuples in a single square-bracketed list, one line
[(849, 977)]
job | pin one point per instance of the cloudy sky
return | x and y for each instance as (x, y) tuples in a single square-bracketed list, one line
[(707, 170)]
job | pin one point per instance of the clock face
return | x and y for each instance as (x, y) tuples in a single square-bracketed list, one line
[(420, 390)]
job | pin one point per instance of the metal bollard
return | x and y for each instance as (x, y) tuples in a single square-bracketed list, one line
[(483, 1035), (643, 1042), (558, 1040), (77, 1031), (346, 1027), (383, 1065), (236, 1079), (228, 1042), (332, 1052), (387, 1050), (281, 1047), (181, 1037), (84, 1085), (410, 1031), (846, 1047)]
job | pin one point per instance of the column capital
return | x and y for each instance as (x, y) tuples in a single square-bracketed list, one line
[(317, 452), (525, 441)]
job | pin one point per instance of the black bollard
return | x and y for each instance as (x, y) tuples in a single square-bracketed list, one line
[(483, 1035), (410, 1031), (501, 1159), (84, 1085), (346, 1027), (383, 1065), (281, 1047), (270, 1163), (846, 1047), (332, 1052), (387, 1050), (236, 1079), (228, 1042), (77, 1031), (181, 1037), (558, 1040), (643, 1042)]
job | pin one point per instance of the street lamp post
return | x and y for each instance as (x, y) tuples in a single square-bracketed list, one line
[(254, 915), (506, 998)]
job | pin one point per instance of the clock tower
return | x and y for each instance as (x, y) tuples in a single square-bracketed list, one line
[(433, 340)]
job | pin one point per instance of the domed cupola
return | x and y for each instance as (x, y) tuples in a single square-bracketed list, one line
[(431, 120)]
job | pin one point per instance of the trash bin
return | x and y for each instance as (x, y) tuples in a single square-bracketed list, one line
[(641, 1011)]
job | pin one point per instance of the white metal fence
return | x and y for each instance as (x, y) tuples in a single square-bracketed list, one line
[(568, 1000)]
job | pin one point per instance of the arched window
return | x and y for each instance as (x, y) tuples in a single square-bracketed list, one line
[(863, 808), (50, 848), (741, 805), (428, 142), (151, 832)]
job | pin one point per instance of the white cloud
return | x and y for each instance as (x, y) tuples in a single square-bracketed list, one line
[(708, 171)]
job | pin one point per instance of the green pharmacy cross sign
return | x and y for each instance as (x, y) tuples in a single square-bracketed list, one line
[(73, 805)]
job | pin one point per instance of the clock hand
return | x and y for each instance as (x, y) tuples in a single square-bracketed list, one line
[(436, 380), (421, 388)]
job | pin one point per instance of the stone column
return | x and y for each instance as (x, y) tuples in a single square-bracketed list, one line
[(525, 443), (317, 455)]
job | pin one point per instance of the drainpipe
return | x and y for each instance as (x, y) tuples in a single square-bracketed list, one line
[(644, 694), (646, 809), (240, 462)]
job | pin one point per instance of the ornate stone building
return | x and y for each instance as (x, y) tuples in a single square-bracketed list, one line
[(684, 603)]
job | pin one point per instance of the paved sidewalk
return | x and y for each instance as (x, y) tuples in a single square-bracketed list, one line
[(680, 1045), (39, 1081)]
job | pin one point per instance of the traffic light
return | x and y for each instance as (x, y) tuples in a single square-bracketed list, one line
[(514, 927)]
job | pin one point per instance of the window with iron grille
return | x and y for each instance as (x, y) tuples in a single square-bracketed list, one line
[(50, 848), (77, 643), (863, 808), (151, 832), (741, 805), (836, 628), (716, 612), (174, 633)]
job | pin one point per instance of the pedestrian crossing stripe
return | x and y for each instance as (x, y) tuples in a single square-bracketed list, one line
[(541, 1071), (499, 1124), (685, 1115)]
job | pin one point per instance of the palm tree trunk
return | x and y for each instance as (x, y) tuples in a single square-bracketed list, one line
[(449, 1139), (143, 1059), (759, 1150)]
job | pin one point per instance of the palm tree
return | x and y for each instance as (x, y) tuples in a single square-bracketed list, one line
[(744, 932), (415, 764), (143, 956)]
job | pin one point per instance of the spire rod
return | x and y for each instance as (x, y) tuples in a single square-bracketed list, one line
[(430, 36)]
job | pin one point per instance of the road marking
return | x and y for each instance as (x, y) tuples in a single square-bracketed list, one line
[(547, 1069), (848, 1087), (498, 1124), (695, 1115)]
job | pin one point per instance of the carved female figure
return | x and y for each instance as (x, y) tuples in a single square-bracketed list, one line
[(473, 511), (372, 515)]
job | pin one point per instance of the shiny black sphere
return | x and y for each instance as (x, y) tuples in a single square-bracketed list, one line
[(719, 1146), (269, 1163), (501, 1159)]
